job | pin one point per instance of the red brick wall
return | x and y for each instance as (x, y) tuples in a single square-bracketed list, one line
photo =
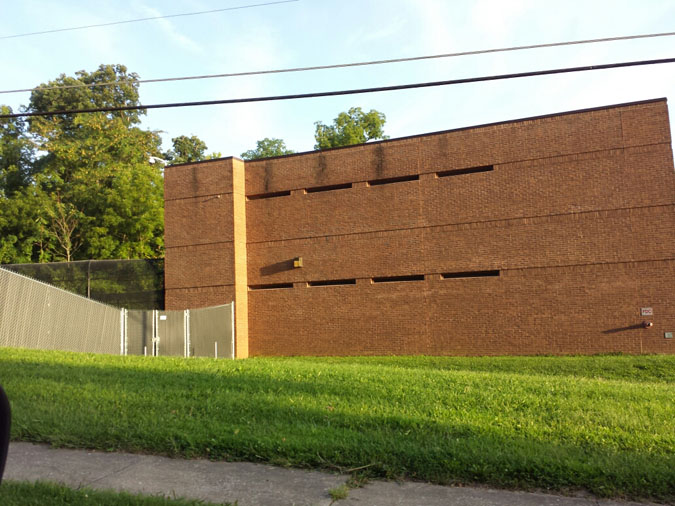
[(199, 235), (577, 216), (578, 309)]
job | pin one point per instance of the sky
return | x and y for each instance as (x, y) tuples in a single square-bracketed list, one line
[(323, 32)]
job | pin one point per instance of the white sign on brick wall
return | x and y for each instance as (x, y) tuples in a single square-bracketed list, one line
[(646, 311)]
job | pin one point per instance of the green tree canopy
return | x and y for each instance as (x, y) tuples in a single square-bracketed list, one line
[(351, 127), (186, 149), (82, 92), (100, 196), (16, 170), (91, 191), (267, 148), (16, 154)]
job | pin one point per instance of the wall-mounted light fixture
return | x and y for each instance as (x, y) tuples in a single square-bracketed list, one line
[(297, 262), (156, 159)]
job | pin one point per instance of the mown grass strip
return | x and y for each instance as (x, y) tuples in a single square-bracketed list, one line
[(14, 493), (602, 424), (633, 368)]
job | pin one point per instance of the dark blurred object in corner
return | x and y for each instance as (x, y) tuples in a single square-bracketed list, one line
[(5, 421)]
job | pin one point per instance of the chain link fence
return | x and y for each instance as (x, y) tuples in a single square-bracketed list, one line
[(132, 284), (207, 332), (211, 332), (36, 315)]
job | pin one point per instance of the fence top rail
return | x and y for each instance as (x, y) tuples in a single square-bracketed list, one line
[(170, 311), (95, 262), (12, 273), (212, 307)]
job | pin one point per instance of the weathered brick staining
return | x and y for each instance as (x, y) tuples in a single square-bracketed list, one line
[(544, 235)]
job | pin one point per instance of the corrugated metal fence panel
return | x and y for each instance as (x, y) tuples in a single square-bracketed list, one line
[(36, 315), (170, 330), (208, 326), (139, 332)]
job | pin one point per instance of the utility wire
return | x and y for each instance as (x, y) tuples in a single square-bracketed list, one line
[(355, 64), (348, 92), (146, 19)]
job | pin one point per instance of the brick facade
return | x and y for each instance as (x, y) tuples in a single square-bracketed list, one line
[(544, 235)]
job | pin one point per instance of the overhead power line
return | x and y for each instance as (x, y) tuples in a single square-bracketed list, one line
[(348, 92), (146, 19), (354, 64)]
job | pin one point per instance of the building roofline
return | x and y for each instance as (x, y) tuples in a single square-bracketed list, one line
[(222, 158), (460, 129)]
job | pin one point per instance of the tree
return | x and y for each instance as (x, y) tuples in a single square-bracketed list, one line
[(16, 154), (186, 149), (267, 148), (101, 196), (351, 127), (79, 94), (92, 193), (17, 226)]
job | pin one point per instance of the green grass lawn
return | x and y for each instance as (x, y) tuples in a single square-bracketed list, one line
[(605, 424), (40, 494)]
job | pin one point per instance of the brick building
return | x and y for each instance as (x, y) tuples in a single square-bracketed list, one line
[(551, 234)]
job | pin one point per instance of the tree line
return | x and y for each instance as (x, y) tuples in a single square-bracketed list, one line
[(83, 186), (352, 127)]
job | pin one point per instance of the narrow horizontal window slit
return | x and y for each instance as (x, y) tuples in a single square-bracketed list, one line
[(391, 180), (470, 170), (273, 286), (328, 188), (332, 282), (469, 274), (269, 195), (393, 279)]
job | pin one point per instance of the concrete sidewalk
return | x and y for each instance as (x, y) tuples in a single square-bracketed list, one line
[(248, 484)]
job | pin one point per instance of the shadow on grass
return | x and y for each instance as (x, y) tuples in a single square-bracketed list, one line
[(235, 413)]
